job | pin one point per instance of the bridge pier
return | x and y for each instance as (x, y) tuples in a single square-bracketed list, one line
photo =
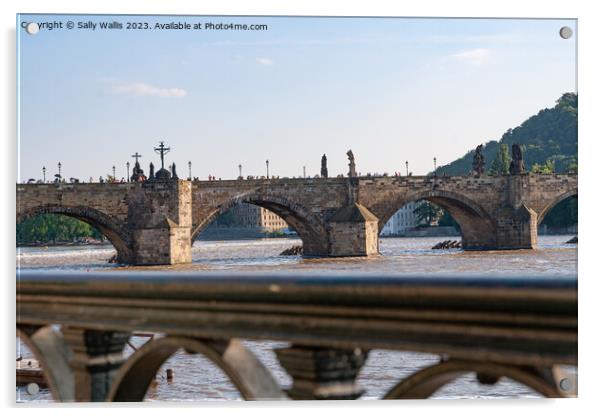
[(160, 219), (353, 232), (516, 228)]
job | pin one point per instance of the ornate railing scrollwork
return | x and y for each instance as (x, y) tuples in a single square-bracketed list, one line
[(424, 383), (244, 370), (49, 348)]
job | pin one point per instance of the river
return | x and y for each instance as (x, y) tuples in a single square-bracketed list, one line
[(195, 378)]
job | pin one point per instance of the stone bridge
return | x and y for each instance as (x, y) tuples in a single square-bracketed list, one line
[(156, 222)]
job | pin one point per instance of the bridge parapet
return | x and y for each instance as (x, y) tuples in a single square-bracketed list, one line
[(523, 328)]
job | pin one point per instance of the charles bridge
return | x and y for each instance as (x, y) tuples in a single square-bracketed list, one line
[(156, 221)]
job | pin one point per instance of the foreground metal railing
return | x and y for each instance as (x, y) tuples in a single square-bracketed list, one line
[(522, 328)]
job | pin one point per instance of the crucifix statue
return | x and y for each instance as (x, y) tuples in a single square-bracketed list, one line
[(136, 156), (162, 150), (137, 172)]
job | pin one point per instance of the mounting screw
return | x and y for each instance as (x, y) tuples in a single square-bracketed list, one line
[(566, 32)]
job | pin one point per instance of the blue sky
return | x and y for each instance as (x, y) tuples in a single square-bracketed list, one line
[(390, 89)]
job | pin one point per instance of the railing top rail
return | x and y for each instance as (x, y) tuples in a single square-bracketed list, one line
[(331, 278), (506, 319), (331, 289)]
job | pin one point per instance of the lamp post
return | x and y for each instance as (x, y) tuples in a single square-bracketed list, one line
[(435, 164), (127, 165), (407, 169), (114, 178), (240, 171), (189, 170), (44, 173), (267, 169), (303, 171), (60, 165)]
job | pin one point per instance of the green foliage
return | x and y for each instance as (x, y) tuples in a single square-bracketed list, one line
[(549, 135), (427, 213), (52, 228), (447, 220), (501, 163), (547, 168), (563, 214), (226, 219)]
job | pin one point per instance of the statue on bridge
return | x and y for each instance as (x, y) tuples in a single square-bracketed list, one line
[(174, 175), (151, 172), (352, 173), (162, 174), (517, 166), (324, 170), (137, 173), (478, 161)]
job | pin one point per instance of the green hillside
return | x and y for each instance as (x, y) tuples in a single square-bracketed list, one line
[(549, 137)]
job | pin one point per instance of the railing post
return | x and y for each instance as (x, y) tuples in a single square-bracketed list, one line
[(322, 373), (96, 357)]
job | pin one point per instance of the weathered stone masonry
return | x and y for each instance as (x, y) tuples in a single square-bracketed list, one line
[(156, 222)]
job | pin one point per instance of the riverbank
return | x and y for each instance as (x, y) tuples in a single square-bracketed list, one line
[(92, 242)]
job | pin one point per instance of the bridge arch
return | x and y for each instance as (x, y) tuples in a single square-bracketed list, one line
[(476, 225), (557, 200), (110, 227), (311, 231)]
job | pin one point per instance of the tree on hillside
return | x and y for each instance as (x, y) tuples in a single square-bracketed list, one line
[(547, 168), (550, 134), (501, 163)]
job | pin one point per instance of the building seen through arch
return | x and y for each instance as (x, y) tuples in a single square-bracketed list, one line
[(249, 216), (403, 220)]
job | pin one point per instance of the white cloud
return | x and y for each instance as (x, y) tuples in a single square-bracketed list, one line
[(474, 56), (141, 89), (264, 61)]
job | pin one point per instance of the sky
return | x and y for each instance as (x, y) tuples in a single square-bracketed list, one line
[(390, 89)]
